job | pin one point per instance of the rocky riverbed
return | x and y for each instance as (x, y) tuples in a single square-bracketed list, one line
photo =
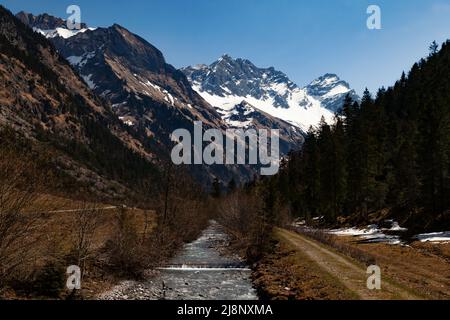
[(199, 272)]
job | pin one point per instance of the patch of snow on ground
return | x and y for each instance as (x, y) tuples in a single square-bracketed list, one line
[(434, 237), (380, 237), (154, 86), (80, 61), (89, 81), (74, 60), (372, 233), (299, 223), (239, 124), (340, 89), (396, 227), (126, 121), (170, 99), (354, 231)]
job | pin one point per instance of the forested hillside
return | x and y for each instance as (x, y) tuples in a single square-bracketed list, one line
[(387, 156), (46, 103)]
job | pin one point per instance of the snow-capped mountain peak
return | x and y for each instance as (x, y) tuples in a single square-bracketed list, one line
[(61, 32), (227, 82), (49, 26), (330, 90)]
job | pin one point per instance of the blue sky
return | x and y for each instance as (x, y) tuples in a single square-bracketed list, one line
[(304, 39)]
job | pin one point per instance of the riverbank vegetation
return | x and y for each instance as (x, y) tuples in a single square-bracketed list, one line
[(249, 215), (42, 234)]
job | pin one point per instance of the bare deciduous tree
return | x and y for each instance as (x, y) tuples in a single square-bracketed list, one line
[(85, 222), (243, 217)]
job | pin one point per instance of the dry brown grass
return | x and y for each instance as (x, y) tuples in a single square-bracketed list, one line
[(288, 274), (420, 267), (75, 237), (19, 229), (330, 240), (441, 250)]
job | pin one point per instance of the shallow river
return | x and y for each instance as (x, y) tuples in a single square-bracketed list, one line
[(199, 271)]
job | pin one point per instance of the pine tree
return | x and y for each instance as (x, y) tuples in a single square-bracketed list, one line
[(340, 172), (311, 174), (355, 160), (327, 172), (434, 47), (232, 186), (216, 189)]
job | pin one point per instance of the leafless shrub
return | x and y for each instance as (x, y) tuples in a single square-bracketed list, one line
[(243, 217), (20, 220), (125, 250), (182, 213), (84, 224)]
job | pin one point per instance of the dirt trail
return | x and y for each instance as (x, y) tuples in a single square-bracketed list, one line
[(351, 274)]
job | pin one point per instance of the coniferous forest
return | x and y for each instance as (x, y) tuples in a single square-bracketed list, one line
[(387, 154), (117, 180)]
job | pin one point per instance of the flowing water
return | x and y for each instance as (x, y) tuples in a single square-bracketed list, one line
[(199, 271)]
